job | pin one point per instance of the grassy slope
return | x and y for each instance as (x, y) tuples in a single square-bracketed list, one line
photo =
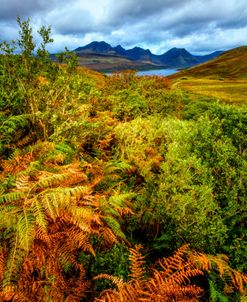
[(224, 78), (231, 64)]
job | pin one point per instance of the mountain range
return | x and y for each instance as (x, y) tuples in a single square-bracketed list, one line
[(173, 58)]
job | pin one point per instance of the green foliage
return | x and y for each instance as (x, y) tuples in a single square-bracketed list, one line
[(69, 58), (220, 142), (89, 160), (215, 294)]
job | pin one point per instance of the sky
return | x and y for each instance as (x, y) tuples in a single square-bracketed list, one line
[(200, 26)]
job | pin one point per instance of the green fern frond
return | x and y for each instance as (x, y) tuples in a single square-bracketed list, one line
[(15, 259), (25, 230), (13, 196), (51, 181), (76, 192), (61, 198), (64, 259), (215, 294), (50, 203), (113, 167), (119, 200), (115, 226), (39, 214), (243, 298), (10, 126), (110, 211)]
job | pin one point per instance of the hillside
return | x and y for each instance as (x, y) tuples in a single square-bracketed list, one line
[(231, 64), (106, 62), (223, 78)]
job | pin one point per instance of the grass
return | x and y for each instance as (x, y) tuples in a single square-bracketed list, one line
[(228, 91)]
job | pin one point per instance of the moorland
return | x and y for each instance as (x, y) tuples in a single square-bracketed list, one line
[(120, 188)]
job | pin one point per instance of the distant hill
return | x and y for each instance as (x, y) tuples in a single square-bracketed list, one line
[(174, 58), (230, 64), (179, 58)]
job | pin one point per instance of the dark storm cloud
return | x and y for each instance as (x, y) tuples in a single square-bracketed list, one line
[(181, 17), (158, 24), (10, 9), (132, 11)]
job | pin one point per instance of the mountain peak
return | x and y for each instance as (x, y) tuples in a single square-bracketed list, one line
[(178, 51), (95, 47)]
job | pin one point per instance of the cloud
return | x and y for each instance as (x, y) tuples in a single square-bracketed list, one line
[(158, 24), (10, 9)]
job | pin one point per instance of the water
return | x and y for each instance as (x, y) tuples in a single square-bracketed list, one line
[(153, 72), (158, 72)]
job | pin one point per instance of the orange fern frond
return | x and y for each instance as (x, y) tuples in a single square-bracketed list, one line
[(239, 280), (109, 237), (219, 263), (27, 139), (137, 261), (17, 163), (81, 239), (23, 183), (115, 280), (2, 264), (167, 285)]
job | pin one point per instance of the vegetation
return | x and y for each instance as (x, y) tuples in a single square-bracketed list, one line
[(116, 188), (224, 78)]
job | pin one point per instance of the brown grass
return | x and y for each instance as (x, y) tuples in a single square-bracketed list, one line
[(229, 91)]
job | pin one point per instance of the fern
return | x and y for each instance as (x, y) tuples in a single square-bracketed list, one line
[(119, 200), (84, 214), (159, 287), (114, 226), (38, 211), (220, 265), (2, 264), (81, 240), (10, 127), (12, 123), (113, 167), (137, 261), (25, 230), (26, 140), (215, 295), (243, 298), (14, 262), (10, 197), (51, 181), (169, 284)]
